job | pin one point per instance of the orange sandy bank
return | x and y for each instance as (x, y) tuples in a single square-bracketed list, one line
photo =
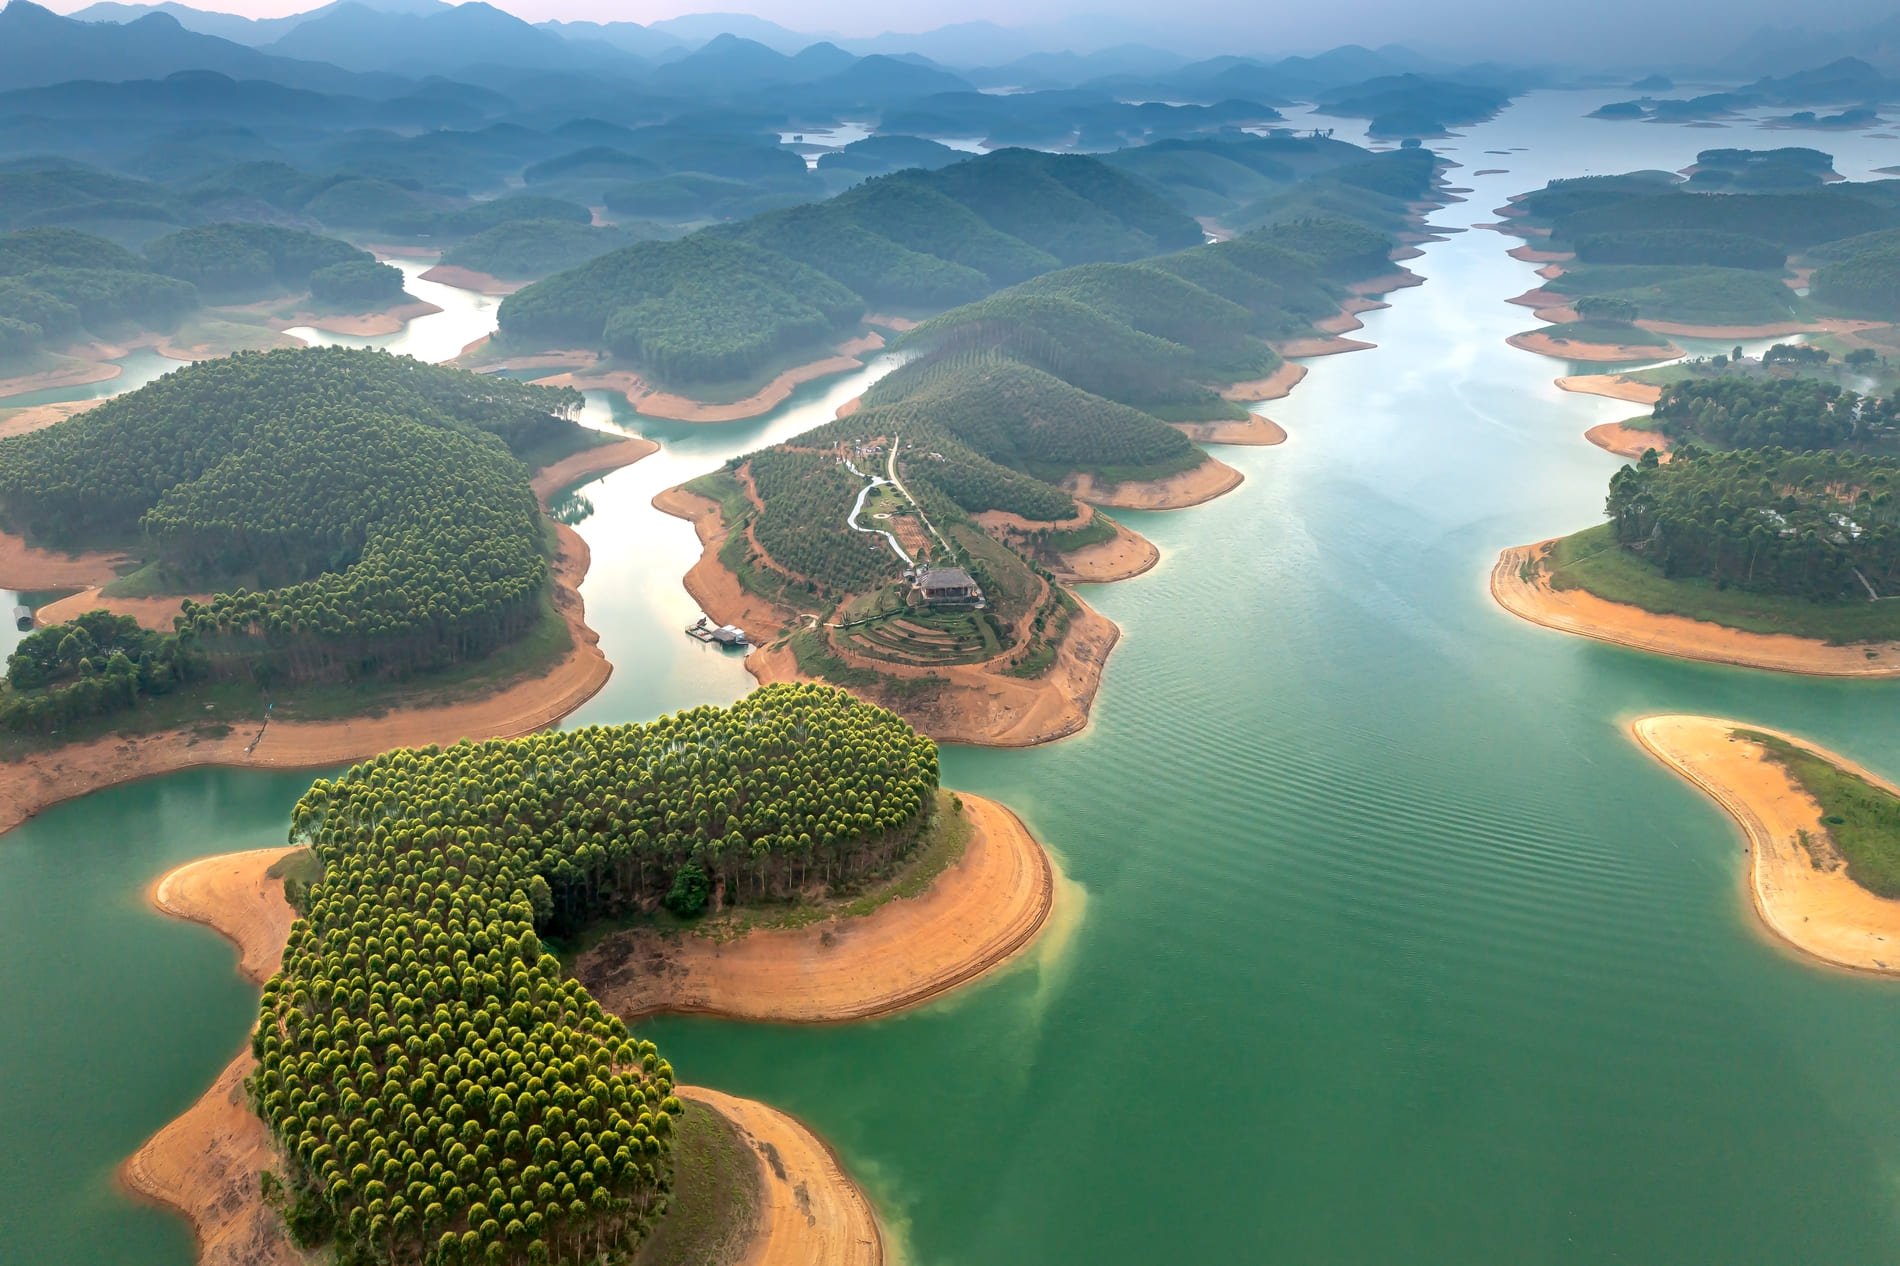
[(1128, 555), (1611, 387), (1274, 386), (33, 782), (206, 1163), (76, 374), (1564, 349), (1204, 482), (1535, 255), (812, 1214), (38, 417), (1577, 611), (469, 279), (1255, 431), (156, 614), (966, 703), (975, 916), (575, 467), (653, 402), (1627, 441), (1798, 881), (360, 324), (24, 566)]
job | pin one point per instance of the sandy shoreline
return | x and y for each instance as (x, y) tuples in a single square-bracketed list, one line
[(1128, 555), (469, 279), (360, 324), (645, 398), (1625, 440), (43, 779), (1608, 353), (1801, 892), (1583, 613), (1210, 479), (205, 1163), (813, 1214), (1611, 387), (559, 476), (1275, 386), (1256, 431), (976, 916)]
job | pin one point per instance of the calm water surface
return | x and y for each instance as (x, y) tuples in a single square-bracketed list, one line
[(1395, 948)]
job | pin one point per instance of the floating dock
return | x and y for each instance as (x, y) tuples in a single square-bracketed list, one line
[(717, 634)]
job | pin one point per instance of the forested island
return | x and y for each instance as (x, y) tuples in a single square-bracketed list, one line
[(492, 1109), (1630, 260), (917, 550), (1823, 833), (321, 524)]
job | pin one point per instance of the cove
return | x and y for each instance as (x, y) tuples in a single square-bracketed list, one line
[(1397, 948)]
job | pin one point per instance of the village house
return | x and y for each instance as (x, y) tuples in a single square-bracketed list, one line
[(948, 586)]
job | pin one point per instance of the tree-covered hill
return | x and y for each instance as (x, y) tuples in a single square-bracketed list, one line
[(440, 1088), (356, 515), (918, 239)]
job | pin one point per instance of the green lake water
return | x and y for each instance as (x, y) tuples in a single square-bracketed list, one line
[(1392, 947)]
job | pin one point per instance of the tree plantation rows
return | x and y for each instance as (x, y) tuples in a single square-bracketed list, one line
[(722, 304), (1820, 525), (57, 283), (355, 514), (1792, 413), (97, 664), (805, 497), (442, 1091)]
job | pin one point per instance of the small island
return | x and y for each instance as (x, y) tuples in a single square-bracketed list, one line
[(1823, 834), (259, 1167)]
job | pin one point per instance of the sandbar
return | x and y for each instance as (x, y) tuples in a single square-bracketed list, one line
[(155, 613), (1210, 479), (559, 476), (1611, 387), (1535, 255), (24, 566), (470, 279), (975, 916), (77, 374), (650, 400), (1565, 349), (1800, 889), (1583, 613), (1627, 441)]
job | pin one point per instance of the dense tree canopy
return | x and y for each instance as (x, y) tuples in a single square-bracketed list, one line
[(1819, 525), (442, 1089), (356, 514)]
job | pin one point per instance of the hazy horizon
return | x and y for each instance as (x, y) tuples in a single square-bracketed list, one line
[(1619, 32)]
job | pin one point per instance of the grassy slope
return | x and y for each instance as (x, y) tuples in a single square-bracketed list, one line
[(1589, 560), (1863, 820), (715, 1201), (1608, 333)]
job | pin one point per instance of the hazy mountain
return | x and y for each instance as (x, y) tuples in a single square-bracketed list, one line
[(1773, 49), (39, 47), (1065, 70), (232, 26), (696, 29), (446, 38), (630, 37)]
